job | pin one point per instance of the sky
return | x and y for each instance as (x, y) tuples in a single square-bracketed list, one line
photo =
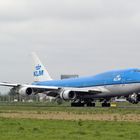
[(82, 37)]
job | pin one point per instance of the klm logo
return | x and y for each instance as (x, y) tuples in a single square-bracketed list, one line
[(38, 71)]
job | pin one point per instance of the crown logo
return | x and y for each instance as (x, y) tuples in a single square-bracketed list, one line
[(38, 67)]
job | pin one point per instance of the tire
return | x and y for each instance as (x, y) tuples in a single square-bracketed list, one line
[(93, 104), (105, 104), (108, 104), (90, 104), (78, 104)]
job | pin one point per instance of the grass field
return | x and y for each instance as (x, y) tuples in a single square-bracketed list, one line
[(31, 129), (38, 122)]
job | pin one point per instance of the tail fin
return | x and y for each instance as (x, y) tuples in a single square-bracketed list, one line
[(40, 73)]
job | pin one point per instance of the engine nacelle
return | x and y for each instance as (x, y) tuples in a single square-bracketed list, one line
[(25, 91), (133, 98), (68, 95)]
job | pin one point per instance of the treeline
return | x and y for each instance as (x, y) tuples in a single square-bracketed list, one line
[(19, 98)]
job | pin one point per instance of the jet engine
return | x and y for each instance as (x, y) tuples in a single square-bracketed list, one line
[(25, 91), (67, 95), (133, 98)]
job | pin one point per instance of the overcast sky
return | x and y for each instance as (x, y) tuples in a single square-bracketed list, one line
[(82, 37)]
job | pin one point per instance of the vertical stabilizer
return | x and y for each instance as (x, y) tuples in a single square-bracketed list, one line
[(40, 73)]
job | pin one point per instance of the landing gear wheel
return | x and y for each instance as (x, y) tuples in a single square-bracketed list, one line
[(77, 104), (105, 104), (90, 104)]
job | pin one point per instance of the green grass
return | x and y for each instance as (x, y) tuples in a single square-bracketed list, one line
[(29, 129), (32, 129)]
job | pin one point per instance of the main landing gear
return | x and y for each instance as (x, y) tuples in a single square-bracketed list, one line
[(82, 104), (77, 104), (105, 104), (88, 104)]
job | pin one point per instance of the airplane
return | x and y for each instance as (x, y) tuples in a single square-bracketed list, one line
[(83, 91)]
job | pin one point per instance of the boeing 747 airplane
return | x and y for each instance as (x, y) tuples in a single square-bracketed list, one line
[(84, 91)]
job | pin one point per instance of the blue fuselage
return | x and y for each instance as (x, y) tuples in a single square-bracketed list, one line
[(128, 76)]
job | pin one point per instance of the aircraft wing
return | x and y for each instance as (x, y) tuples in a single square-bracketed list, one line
[(44, 89), (28, 86), (8, 84)]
